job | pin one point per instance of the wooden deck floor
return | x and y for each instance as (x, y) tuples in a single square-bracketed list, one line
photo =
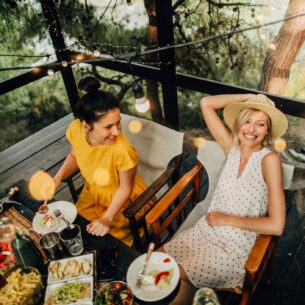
[(46, 150)]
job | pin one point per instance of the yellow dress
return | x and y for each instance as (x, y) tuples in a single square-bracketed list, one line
[(100, 166)]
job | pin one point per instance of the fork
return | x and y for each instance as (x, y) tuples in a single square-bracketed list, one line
[(58, 214), (142, 273)]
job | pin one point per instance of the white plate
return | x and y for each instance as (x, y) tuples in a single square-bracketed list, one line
[(68, 210), (90, 257), (151, 292)]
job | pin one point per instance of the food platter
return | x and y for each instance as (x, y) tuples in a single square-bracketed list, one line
[(68, 268), (71, 292), (72, 288), (151, 292), (68, 210)]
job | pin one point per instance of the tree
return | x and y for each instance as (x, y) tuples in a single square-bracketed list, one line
[(282, 53)]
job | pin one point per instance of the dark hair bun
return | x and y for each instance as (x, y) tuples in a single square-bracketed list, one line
[(89, 84)]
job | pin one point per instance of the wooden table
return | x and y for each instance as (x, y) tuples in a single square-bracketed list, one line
[(23, 216)]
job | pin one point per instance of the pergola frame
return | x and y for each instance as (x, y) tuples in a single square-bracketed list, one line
[(166, 74)]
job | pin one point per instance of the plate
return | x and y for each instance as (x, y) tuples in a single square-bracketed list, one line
[(53, 287), (80, 273), (68, 210), (151, 293)]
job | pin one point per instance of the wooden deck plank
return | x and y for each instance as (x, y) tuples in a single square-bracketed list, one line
[(33, 144), (45, 160)]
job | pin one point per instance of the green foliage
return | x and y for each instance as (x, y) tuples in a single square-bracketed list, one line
[(189, 109), (235, 59)]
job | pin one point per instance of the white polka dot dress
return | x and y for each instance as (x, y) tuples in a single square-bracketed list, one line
[(215, 257)]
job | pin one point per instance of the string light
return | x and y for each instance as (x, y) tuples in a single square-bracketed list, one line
[(142, 104), (130, 6), (96, 53), (50, 72), (64, 63), (159, 49)]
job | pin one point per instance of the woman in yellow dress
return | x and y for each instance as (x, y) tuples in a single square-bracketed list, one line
[(107, 161)]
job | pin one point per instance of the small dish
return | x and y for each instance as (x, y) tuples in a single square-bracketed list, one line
[(68, 210), (161, 262), (7, 257)]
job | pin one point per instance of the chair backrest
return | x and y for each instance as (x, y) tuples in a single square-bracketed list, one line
[(213, 158), (156, 145)]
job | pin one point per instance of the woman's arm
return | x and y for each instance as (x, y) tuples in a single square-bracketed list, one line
[(101, 227), (274, 222), (209, 106), (68, 167)]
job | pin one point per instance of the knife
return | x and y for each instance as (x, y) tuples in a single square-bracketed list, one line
[(142, 273)]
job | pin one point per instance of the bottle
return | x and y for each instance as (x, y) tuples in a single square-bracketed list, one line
[(27, 254)]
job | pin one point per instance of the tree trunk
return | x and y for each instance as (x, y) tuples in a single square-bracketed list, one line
[(151, 85), (276, 68)]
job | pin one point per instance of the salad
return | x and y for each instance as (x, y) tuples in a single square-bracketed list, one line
[(70, 292), (7, 257), (117, 293), (48, 221), (161, 279)]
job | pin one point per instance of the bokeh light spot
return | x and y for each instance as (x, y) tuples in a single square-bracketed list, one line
[(101, 177), (199, 141), (135, 126), (42, 186), (279, 144)]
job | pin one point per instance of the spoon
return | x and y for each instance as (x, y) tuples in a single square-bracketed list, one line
[(43, 208)]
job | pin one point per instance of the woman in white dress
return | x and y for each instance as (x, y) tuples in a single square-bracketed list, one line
[(248, 199)]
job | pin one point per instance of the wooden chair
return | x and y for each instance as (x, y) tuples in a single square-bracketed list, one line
[(161, 164), (260, 262)]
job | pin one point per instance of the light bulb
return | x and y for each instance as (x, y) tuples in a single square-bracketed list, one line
[(130, 6), (142, 104), (50, 72), (96, 53)]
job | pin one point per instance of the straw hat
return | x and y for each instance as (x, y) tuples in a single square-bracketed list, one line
[(279, 123)]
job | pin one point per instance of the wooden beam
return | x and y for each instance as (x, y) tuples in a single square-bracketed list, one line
[(164, 16), (62, 54), (287, 105)]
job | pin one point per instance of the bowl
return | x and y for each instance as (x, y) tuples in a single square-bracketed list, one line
[(23, 287), (7, 257), (116, 292)]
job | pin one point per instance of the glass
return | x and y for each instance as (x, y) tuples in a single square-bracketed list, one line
[(72, 239), (205, 296), (51, 245)]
